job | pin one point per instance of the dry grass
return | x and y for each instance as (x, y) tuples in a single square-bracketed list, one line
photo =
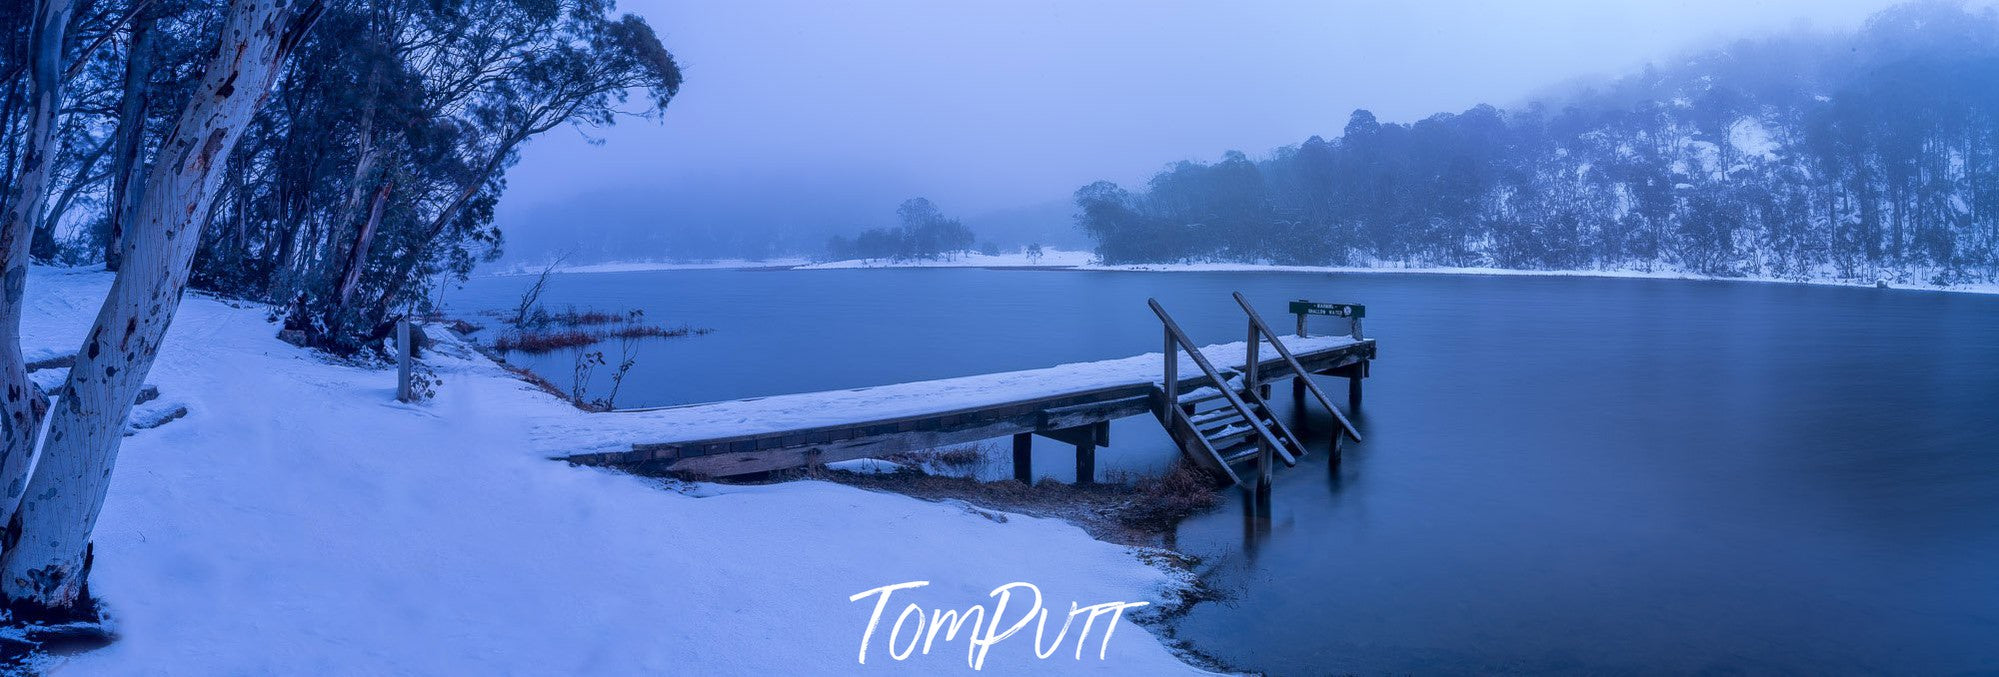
[(1142, 513), (1174, 496), (648, 331), (574, 318), (538, 342), (969, 459), (578, 329)]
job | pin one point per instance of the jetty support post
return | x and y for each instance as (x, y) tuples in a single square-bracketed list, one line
[(1358, 372), (403, 351), (1023, 457), (1086, 439), (1266, 457), (1353, 374)]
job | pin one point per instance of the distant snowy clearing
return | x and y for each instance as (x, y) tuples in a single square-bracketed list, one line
[(1049, 258), (1064, 259), (300, 521)]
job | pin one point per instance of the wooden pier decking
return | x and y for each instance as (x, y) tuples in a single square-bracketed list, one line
[(1072, 403)]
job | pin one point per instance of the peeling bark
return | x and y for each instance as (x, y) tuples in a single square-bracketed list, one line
[(20, 400), (44, 573), (126, 167)]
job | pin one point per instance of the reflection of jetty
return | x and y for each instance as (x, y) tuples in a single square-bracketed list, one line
[(1217, 427)]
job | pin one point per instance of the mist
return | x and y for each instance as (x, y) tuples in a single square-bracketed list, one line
[(803, 120)]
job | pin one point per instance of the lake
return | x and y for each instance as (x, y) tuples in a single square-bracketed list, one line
[(1561, 475)]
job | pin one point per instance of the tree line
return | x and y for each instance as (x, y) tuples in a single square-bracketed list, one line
[(922, 232), (1866, 156), (331, 157)]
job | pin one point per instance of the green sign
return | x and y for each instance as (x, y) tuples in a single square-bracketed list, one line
[(1333, 309)]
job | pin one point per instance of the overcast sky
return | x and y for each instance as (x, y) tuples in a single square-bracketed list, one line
[(818, 114)]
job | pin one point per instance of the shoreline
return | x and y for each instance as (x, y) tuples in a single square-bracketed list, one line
[(218, 524), (1064, 261)]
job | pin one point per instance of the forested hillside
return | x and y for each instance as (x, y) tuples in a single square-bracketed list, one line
[(1863, 156)]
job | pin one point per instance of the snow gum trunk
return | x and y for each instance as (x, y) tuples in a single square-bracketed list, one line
[(20, 401), (44, 573)]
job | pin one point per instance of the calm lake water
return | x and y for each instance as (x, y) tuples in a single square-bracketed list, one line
[(1561, 475)]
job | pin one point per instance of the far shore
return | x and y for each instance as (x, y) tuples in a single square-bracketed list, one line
[(1072, 260)]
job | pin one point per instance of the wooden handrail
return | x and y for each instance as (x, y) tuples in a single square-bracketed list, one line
[(1256, 321), (1200, 360)]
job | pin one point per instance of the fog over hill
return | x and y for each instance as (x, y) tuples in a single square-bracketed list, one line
[(1871, 155), (804, 120)]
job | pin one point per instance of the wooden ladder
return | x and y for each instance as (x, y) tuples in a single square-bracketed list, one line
[(1226, 422)]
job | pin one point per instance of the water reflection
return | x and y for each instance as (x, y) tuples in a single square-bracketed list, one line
[(1560, 475)]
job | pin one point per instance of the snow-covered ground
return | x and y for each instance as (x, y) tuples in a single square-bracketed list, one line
[(1083, 260), (1050, 258), (1659, 274), (637, 266), (299, 521)]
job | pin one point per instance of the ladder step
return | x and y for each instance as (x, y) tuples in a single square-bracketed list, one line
[(1201, 394), (1239, 453), (1218, 428), (1202, 420), (1232, 436)]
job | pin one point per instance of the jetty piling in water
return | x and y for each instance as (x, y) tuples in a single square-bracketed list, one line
[(1218, 413)]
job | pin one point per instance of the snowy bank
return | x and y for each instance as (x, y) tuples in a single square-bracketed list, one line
[(1049, 258), (1656, 274), (1082, 260), (641, 266), (299, 521)]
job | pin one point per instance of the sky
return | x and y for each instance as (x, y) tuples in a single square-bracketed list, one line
[(804, 118)]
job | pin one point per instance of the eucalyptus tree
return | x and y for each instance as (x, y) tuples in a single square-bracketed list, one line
[(377, 168), (45, 566), (20, 412)]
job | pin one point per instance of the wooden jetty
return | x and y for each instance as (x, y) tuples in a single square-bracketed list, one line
[(1211, 401)]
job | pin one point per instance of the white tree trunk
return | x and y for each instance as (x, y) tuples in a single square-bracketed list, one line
[(44, 573), (20, 400)]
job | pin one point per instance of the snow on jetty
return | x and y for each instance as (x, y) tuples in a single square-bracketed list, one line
[(298, 520), (616, 431)]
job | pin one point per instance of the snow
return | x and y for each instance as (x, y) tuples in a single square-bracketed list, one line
[(639, 266), (866, 466), (1751, 138), (1082, 260), (299, 521), (1050, 258), (579, 432), (1826, 278)]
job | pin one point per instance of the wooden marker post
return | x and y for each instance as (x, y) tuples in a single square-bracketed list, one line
[(1353, 312), (403, 350)]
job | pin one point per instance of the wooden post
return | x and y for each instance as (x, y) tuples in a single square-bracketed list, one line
[(1086, 458), (1172, 374), (1249, 374), (1266, 456), (1354, 373), (1298, 380), (1023, 457), (403, 350)]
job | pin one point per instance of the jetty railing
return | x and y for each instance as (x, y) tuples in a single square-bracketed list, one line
[(1258, 331), (1183, 429)]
